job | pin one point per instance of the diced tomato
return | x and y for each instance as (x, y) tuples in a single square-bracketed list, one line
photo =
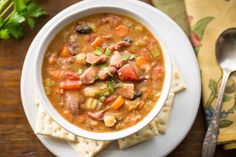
[(70, 85), (127, 73)]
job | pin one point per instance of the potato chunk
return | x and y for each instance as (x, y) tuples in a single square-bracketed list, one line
[(109, 120), (91, 91), (80, 58)]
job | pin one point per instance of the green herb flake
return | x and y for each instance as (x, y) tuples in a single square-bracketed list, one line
[(103, 65), (125, 57), (98, 51), (111, 85), (106, 93), (108, 52), (96, 76), (102, 98), (92, 65), (48, 91), (48, 82), (96, 94)]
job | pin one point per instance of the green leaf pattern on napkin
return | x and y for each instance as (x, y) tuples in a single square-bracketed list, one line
[(229, 90), (197, 31)]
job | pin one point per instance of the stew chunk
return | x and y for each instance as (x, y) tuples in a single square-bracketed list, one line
[(89, 75), (127, 73), (72, 100)]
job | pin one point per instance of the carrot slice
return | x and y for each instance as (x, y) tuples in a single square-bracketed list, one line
[(70, 85), (118, 102), (97, 42), (122, 30), (65, 52), (141, 61)]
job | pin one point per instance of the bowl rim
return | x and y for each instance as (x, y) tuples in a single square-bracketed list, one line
[(50, 34)]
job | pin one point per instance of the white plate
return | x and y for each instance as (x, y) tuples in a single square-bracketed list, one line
[(185, 106)]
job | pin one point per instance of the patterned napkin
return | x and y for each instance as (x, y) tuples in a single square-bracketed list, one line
[(207, 19)]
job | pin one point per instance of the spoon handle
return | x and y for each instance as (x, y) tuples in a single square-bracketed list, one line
[(210, 140)]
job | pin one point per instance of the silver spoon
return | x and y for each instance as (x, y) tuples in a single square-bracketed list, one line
[(226, 57)]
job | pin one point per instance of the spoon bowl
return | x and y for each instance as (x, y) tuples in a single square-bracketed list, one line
[(226, 49)]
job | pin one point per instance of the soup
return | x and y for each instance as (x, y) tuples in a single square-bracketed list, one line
[(104, 72)]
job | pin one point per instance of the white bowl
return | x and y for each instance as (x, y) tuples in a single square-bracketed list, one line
[(71, 14)]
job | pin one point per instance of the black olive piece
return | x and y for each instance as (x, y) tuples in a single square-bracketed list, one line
[(128, 40), (84, 29), (137, 94)]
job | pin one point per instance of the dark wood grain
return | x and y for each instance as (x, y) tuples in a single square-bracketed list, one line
[(16, 136)]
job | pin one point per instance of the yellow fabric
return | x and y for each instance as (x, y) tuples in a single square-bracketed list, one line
[(208, 18)]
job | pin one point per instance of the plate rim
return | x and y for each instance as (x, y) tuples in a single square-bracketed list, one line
[(179, 30)]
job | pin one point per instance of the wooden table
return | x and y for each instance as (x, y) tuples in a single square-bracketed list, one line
[(16, 136)]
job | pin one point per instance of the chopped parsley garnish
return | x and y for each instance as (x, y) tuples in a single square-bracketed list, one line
[(96, 76), (92, 65), (106, 93), (102, 98), (49, 82), (125, 57), (108, 52), (111, 85), (98, 51), (96, 94), (48, 91), (103, 65)]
